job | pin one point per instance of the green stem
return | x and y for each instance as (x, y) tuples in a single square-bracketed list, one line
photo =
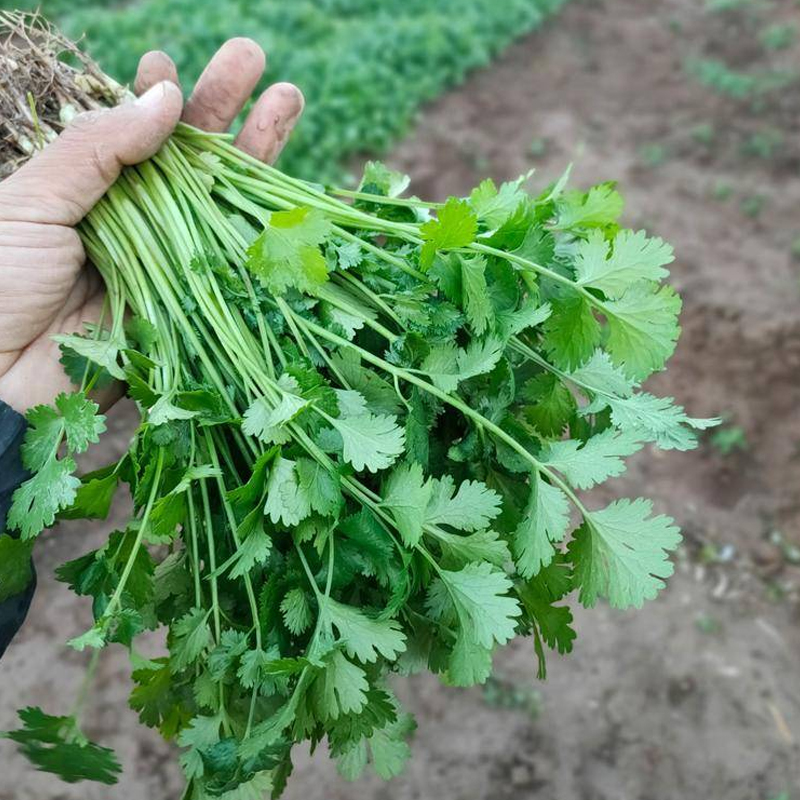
[(123, 580)]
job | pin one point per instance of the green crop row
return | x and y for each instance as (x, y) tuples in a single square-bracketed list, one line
[(365, 67)]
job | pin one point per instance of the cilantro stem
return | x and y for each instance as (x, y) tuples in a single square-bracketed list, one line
[(379, 199), (309, 574), (83, 693), (538, 268), (212, 557), (233, 528), (123, 580)]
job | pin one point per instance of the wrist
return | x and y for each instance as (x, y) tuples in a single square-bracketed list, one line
[(11, 393)]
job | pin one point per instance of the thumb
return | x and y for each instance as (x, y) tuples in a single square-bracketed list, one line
[(60, 185)]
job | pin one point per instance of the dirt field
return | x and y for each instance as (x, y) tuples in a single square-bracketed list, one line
[(698, 695)]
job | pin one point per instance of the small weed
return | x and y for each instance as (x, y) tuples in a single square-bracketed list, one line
[(795, 249), (763, 144), (728, 439), (708, 625), (753, 205), (721, 79), (712, 553), (538, 147), (718, 6), (722, 191), (778, 36), (703, 133), (653, 154), (789, 551), (774, 592), (501, 693)]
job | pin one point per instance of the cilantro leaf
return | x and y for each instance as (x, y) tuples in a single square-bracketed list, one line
[(571, 332), (164, 410), (296, 611), (379, 179), (552, 404), (621, 553), (254, 549), (82, 424), (156, 700), (455, 226), (37, 501), (379, 393), (287, 253), (643, 329), (544, 523), (406, 495), (102, 352), (341, 688), (483, 545), (191, 636), (600, 207), (528, 315), (15, 566), (471, 508), (321, 486), (492, 205), (386, 749), (470, 663), (654, 419), (142, 332), (363, 637), (371, 441), (600, 457), (73, 416), (478, 595), (552, 623), (287, 502), (94, 496), (634, 258), (56, 745), (477, 304), (447, 364), (199, 735), (45, 429), (601, 375), (267, 422)]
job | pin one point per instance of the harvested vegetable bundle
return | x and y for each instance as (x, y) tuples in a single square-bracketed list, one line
[(366, 428)]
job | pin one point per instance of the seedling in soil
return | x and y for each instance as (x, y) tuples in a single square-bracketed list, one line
[(538, 147), (722, 191), (778, 36), (708, 625), (502, 693), (728, 439), (703, 133), (720, 6), (653, 155), (764, 144), (717, 76), (753, 205)]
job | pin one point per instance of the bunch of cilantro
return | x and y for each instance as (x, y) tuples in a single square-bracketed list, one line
[(369, 425)]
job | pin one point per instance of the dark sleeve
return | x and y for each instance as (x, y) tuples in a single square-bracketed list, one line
[(12, 474)]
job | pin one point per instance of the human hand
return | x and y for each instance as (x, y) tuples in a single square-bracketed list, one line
[(46, 285)]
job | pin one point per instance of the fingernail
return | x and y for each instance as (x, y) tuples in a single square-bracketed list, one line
[(153, 97)]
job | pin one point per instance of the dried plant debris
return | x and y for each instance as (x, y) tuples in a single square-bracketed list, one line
[(45, 80)]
